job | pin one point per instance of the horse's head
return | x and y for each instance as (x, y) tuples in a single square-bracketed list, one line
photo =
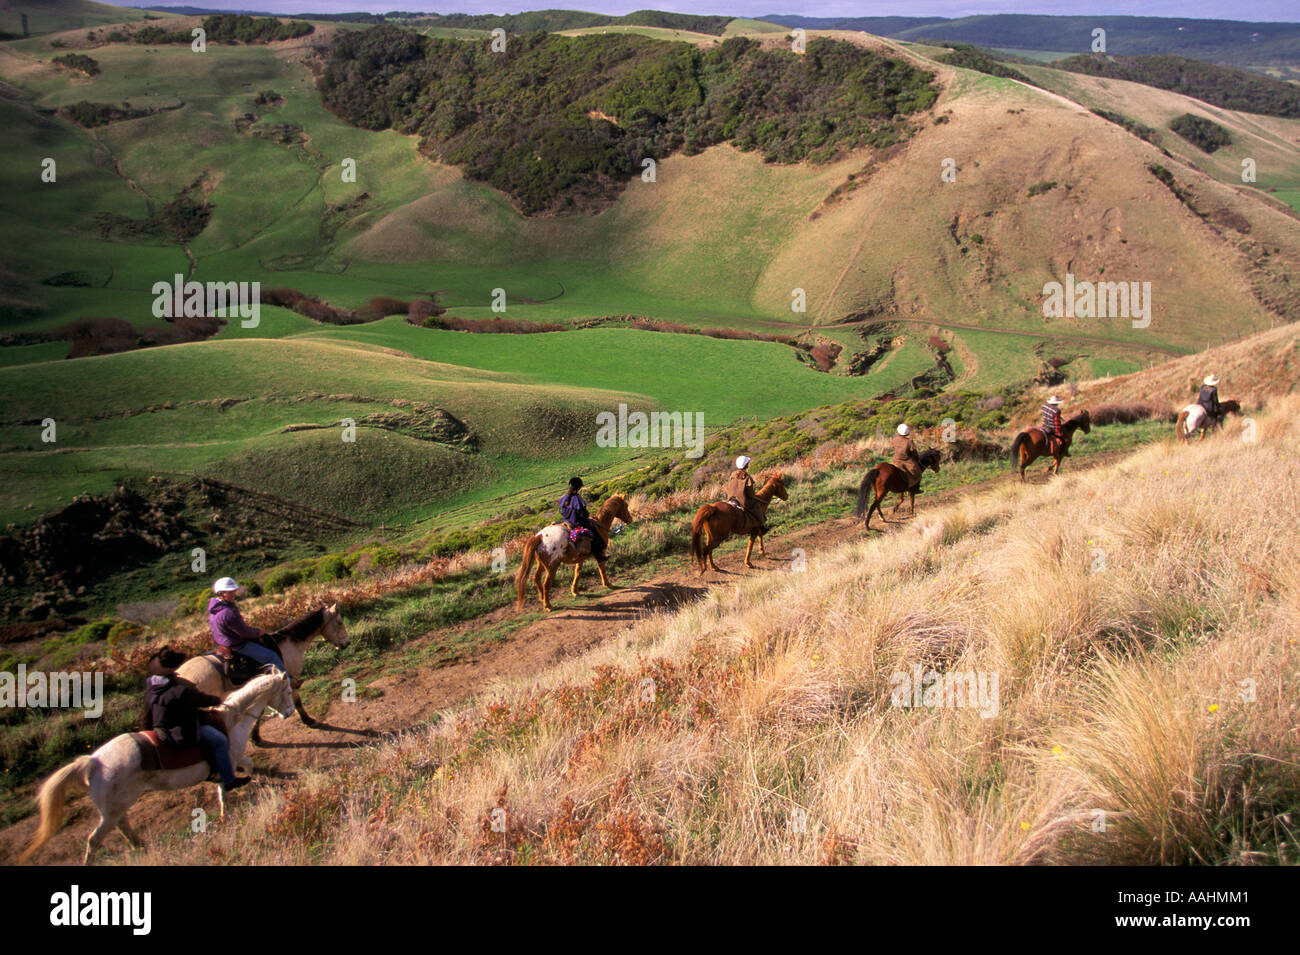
[(1081, 421), (620, 510), (1230, 407), (930, 459), (332, 628), (776, 486), (273, 689)]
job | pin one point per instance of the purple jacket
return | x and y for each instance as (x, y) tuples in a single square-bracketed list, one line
[(227, 625)]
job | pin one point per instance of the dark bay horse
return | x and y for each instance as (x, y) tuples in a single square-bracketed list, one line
[(1208, 422), (1032, 444), (886, 478), (714, 523)]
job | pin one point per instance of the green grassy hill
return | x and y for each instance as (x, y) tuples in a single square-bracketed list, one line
[(720, 239)]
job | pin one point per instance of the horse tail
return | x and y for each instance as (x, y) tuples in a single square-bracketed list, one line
[(51, 798), (864, 489), (697, 531), (1021, 438), (526, 565), (1180, 428)]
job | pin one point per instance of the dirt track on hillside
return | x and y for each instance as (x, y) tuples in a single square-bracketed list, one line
[(414, 695)]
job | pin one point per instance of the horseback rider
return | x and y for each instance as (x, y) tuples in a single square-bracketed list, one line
[(574, 510), (1052, 424), (1209, 400), (740, 491), (231, 634), (172, 708), (906, 458)]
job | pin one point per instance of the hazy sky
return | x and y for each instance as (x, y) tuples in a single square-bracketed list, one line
[(1215, 9)]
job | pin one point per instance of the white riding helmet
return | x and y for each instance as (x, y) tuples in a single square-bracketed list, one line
[(904, 430), (742, 462), (1211, 380), (225, 585)]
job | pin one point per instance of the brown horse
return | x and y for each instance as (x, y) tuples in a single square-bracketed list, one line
[(551, 547), (884, 478), (1032, 444), (714, 523), (1207, 423)]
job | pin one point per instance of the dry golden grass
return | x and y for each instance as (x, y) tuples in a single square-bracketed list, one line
[(1140, 619)]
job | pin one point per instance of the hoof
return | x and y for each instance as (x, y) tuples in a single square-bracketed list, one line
[(308, 721)]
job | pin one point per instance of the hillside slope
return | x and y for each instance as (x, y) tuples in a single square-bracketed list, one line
[(1129, 657)]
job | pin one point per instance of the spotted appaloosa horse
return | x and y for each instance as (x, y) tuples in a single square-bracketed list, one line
[(1032, 444), (550, 547), (714, 523)]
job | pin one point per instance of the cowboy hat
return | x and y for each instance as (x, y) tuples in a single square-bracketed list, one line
[(225, 585), (742, 462), (904, 430), (1055, 401), (1211, 380), (165, 661)]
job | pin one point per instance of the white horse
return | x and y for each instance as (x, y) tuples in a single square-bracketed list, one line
[(293, 641), (115, 779)]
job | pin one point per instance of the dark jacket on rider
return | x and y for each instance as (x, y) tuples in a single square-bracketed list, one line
[(1209, 400), (574, 510), (227, 625), (172, 707)]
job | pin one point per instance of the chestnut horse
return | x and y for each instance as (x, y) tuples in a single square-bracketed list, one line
[(551, 547), (714, 523), (1032, 444), (1208, 422), (886, 477)]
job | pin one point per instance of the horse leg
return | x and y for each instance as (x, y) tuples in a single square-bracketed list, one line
[(912, 495), (256, 735), (577, 569), (709, 546), (302, 710), (107, 823), (546, 589), (749, 550), (131, 835), (603, 578), (762, 551)]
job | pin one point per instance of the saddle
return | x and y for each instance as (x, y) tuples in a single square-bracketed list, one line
[(236, 667), (157, 753)]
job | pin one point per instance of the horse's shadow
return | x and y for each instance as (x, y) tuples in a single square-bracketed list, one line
[(656, 598), (367, 734)]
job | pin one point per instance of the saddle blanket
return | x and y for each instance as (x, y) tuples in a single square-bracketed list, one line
[(157, 753), (577, 533), (1195, 414)]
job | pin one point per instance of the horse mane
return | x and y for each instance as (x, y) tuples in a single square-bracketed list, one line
[(930, 454), (302, 628), (1232, 407)]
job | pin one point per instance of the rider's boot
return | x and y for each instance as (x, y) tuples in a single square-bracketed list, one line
[(238, 782)]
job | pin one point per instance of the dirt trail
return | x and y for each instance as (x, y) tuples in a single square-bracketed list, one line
[(413, 695)]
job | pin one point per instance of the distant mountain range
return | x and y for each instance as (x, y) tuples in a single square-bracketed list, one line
[(1231, 42)]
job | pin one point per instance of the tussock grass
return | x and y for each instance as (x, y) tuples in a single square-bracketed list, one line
[(1128, 612)]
